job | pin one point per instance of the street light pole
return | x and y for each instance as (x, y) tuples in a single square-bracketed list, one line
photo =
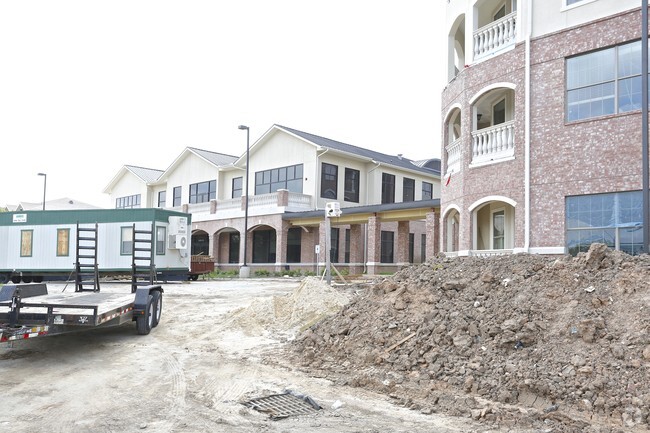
[(244, 272), (44, 186)]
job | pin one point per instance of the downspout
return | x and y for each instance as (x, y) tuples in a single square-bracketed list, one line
[(317, 177), (529, 25), (365, 237)]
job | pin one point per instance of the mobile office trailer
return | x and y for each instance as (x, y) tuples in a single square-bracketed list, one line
[(45, 245)]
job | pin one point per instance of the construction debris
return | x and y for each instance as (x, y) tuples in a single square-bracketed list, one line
[(516, 340)]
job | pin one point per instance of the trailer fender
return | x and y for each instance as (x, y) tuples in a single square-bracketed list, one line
[(142, 299), (23, 290)]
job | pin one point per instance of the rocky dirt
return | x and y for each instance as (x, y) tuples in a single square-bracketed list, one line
[(517, 342)]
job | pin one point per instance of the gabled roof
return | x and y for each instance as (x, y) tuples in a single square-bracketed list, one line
[(146, 174), (219, 160), (394, 160), (64, 203)]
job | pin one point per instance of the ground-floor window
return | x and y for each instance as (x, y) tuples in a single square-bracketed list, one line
[(293, 244), (615, 219), (264, 246), (347, 246), (423, 248), (387, 247), (233, 247), (411, 247), (200, 244)]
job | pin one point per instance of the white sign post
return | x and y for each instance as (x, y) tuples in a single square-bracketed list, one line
[(332, 209)]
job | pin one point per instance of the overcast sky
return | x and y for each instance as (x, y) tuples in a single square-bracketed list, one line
[(89, 86)]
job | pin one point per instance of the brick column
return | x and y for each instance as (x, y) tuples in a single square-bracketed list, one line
[(402, 244), (213, 206), (374, 245), (356, 248), (283, 197), (433, 234), (281, 236)]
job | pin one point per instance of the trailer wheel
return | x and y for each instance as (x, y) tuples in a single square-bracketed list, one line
[(143, 323), (15, 279), (4, 278), (157, 308)]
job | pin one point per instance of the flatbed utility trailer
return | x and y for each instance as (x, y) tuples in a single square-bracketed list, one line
[(28, 310)]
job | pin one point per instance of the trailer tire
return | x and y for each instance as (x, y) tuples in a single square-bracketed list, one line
[(4, 278), (157, 308), (143, 323), (15, 279)]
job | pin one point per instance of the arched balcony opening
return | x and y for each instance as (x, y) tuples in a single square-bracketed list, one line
[(493, 130), (456, 48), (495, 27), (494, 228), (453, 145), (452, 232)]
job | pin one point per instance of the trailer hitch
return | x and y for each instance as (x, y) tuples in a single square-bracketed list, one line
[(14, 309)]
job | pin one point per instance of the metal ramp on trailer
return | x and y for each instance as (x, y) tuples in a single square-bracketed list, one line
[(87, 269), (143, 269)]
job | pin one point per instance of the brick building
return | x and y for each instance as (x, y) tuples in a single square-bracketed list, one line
[(390, 204), (542, 127)]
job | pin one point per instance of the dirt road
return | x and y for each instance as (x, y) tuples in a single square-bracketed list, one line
[(191, 374)]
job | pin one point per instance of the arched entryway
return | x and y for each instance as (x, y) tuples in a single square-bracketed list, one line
[(493, 221)]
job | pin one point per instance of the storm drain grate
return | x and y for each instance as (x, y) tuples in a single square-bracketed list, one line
[(280, 406)]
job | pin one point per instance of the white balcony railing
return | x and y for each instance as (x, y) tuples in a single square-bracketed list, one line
[(493, 143), (453, 156), (495, 36)]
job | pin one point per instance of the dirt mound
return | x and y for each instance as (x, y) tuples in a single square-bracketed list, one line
[(310, 302), (561, 344)]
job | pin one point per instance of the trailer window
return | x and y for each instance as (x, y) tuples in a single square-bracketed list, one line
[(26, 241), (126, 242), (63, 242), (161, 236)]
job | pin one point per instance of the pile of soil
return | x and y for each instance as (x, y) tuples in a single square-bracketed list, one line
[(288, 314), (561, 345)]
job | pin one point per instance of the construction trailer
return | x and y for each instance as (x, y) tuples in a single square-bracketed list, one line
[(85, 245)]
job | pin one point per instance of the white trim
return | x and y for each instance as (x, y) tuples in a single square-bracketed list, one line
[(484, 163), (451, 109), (491, 198), (547, 250), (566, 7), (449, 208), (493, 86)]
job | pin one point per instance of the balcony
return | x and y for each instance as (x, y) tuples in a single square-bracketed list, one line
[(495, 36), (453, 156), (494, 143), (263, 204)]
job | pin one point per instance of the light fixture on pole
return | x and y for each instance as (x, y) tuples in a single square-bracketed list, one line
[(44, 186), (244, 272)]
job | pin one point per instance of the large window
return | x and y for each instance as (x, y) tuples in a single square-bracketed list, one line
[(351, 192), (237, 187), (294, 235), (203, 192), (615, 219), (408, 189), (329, 181), (162, 199), (604, 82), (334, 252), (177, 196), (346, 252), (264, 246), (128, 202), (63, 242), (387, 188), (427, 191), (289, 178), (233, 247), (387, 246)]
